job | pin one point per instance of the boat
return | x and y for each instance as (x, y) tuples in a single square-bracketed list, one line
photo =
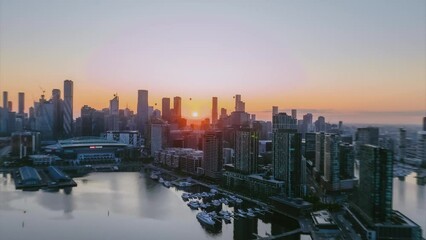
[(185, 184), (204, 195), (161, 180), (214, 191), (240, 215), (241, 211), (216, 203), (205, 218), (154, 176), (250, 214), (227, 218), (185, 196), (167, 184), (194, 204)]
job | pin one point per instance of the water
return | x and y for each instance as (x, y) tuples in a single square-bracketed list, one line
[(113, 206), (410, 199)]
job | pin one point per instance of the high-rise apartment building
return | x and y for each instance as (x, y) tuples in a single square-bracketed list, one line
[(21, 103), (287, 156), (5, 100), (319, 153), (240, 106), (374, 194), (294, 113), (68, 108), (214, 110), (320, 124), (367, 135), (347, 160), (331, 162), (287, 160), (212, 153), (246, 150), (274, 110), (165, 109), (142, 109), (113, 118), (177, 107), (424, 123), (283, 121)]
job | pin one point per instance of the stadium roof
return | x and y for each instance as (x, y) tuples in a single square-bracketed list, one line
[(85, 142)]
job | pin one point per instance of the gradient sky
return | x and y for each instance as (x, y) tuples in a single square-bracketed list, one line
[(356, 61)]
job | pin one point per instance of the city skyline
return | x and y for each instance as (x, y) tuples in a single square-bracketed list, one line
[(342, 60)]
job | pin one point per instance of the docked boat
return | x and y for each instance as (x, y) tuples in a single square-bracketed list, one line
[(167, 184), (250, 214), (185, 196), (161, 180), (205, 218), (153, 176), (194, 205), (216, 203)]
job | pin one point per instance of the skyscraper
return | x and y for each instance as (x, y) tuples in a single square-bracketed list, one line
[(246, 150), (113, 118), (424, 123), (294, 113), (331, 162), (240, 106), (165, 109), (57, 113), (320, 124), (283, 121), (287, 160), (5, 100), (287, 155), (214, 110), (374, 194), (367, 135), (347, 160), (68, 108), (177, 107), (212, 153), (402, 143), (142, 112), (274, 110), (21, 103), (319, 154)]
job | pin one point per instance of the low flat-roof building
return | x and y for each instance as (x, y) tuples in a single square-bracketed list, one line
[(324, 221), (29, 176)]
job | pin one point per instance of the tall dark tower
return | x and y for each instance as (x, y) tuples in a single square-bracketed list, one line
[(21, 103), (424, 123), (246, 150), (212, 154), (68, 107), (5, 100), (142, 114), (165, 109), (374, 195), (214, 110), (177, 107)]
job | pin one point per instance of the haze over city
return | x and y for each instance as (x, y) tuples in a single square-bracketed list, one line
[(340, 59)]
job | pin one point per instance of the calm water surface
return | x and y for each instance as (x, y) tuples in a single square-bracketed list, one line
[(113, 206), (410, 199)]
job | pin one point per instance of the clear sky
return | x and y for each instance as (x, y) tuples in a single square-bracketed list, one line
[(356, 61)]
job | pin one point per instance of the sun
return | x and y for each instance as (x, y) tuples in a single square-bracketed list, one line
[(194, 114)]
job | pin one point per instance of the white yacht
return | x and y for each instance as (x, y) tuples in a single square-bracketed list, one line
[(205, 218)]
